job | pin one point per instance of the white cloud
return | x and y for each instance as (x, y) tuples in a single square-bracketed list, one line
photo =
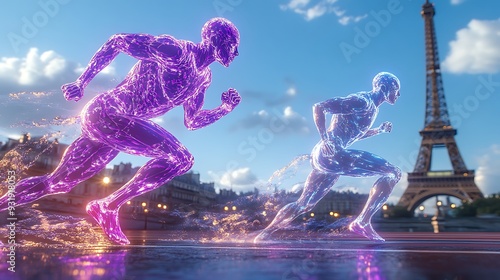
[(296, 4), (457, 2), (345, 20), (33, 69), (487, 175), (280, 121), (314, 9), (291, 91), (30, 95), (239, 178), (475, 49), (42, 71), (158, 120)]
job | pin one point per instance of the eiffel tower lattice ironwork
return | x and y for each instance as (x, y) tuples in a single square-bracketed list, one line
[(438, 132)]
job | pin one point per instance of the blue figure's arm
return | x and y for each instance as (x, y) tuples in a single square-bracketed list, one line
[(338, 105), (195, 117), (140, 46), (385, 127)]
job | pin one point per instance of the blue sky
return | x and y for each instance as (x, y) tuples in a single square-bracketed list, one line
[(293, 53)]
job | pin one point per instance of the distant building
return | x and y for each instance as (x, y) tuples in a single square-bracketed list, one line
[(184, 193), (226, 195), (34, 153), (336, 204), (42, 157), (343, 203)]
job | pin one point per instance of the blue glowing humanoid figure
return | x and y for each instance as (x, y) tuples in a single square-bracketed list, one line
[(352, 119), (169, 73)]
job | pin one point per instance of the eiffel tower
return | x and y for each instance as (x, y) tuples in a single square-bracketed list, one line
[(437, 133)]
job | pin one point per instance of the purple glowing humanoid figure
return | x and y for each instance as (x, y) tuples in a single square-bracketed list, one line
[(352, 119), (169, 73)]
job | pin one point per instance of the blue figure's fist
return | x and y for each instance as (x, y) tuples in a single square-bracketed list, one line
[(231, 98), (386, 127), (72, 91)]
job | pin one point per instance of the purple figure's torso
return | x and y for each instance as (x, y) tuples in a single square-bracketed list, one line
[(153, 88)]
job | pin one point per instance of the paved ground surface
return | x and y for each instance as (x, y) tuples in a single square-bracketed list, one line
[(181, 255)]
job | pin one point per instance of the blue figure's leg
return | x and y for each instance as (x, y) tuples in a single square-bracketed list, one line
[(83, 159), (363, 164), (317, 185), (145, 138)]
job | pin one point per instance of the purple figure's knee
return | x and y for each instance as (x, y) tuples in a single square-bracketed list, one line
[(186, 160)]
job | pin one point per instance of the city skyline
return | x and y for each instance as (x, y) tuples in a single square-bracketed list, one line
[(292, 55)]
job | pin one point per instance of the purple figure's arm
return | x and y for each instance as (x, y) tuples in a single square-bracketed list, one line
[(195, 117), (385, 127), (140, 46), (338, 105)]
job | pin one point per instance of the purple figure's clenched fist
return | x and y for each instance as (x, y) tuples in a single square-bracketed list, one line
[(72, 91), (231, 98)]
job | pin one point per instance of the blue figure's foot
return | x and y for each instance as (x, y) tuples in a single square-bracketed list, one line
[(365, 230), (262, 237), (108, 221), (26, 191)]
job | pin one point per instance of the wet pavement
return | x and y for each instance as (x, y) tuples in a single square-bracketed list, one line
[(180, 255)]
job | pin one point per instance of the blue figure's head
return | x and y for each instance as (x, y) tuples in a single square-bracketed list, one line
[(223, 37), (388, 84)]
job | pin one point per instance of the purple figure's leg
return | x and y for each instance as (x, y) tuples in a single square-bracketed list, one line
[(83, 159), (317, 185), (145, 138)]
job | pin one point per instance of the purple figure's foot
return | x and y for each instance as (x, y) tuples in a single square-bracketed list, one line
[(365, 230), (27, 190), (108, 221)]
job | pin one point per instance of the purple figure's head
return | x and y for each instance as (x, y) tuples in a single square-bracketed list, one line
[(388, 84), (223, 38)]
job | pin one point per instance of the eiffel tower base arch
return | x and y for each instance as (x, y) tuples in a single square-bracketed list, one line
[(430, 184)]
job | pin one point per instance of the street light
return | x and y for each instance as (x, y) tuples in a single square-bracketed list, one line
[(312, 214), (106, 180), (439, 203), (234, 208), (385, 207), (421, 208), (334, 214), (159, 205), (146, 218), (145, 215), (453, 206), (226, 208)]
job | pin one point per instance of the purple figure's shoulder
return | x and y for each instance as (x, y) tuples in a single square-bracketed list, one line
[(168, 47), (161, 48)]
